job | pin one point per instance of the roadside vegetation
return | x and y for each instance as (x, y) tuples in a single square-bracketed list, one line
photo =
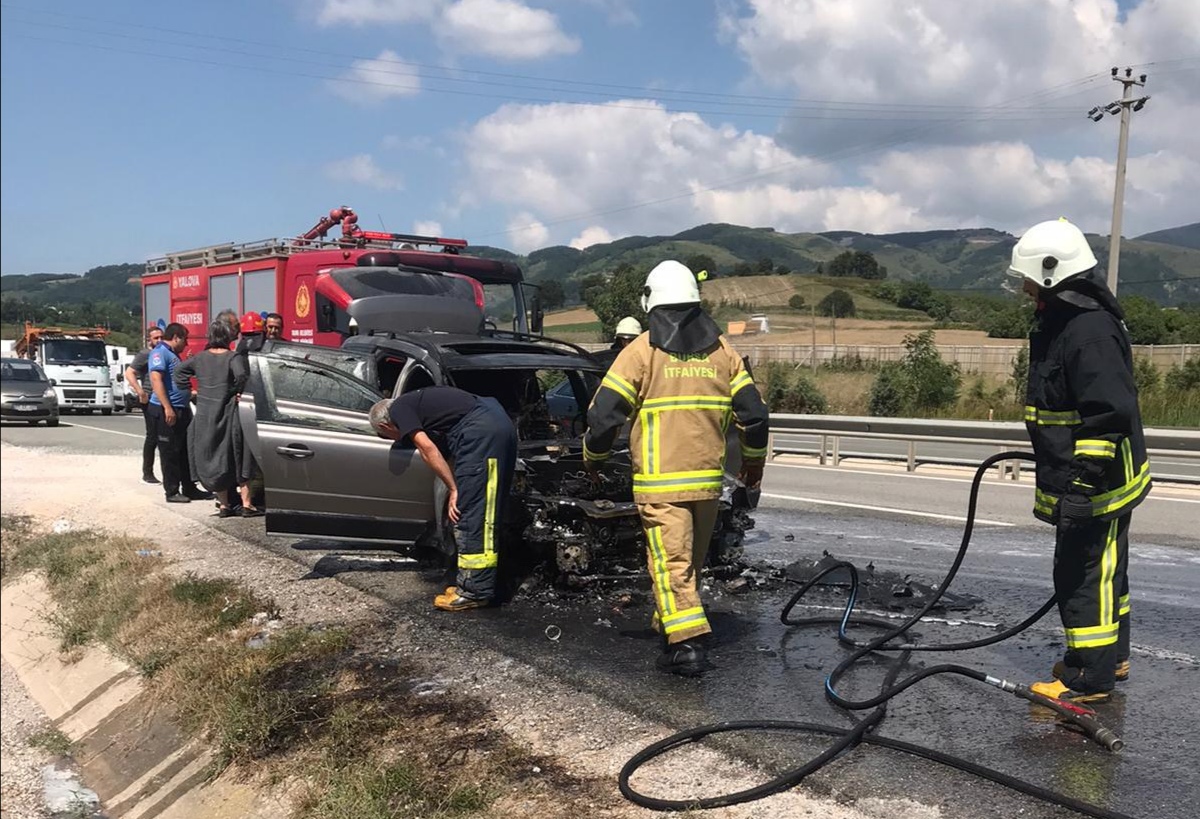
[(922, 385), (353, 731)]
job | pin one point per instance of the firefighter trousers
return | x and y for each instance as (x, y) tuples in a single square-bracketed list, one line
[(483, 446), (1091, 583), (677, 538)]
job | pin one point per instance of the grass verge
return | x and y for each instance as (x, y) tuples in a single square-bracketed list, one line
[(316, 707)]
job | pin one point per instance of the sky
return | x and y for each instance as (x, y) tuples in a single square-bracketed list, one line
[(132, 128)]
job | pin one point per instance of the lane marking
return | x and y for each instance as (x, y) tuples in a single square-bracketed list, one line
[(893, 510), (1006, 483), (109, 431)]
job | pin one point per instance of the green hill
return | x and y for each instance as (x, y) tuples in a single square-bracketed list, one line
[(1165, 269), (1182, 236)]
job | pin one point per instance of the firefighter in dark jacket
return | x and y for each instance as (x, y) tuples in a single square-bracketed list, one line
[(681, 382), (1082, 415)]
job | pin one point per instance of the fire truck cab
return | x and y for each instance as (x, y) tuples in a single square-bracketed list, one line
[(312, 282)]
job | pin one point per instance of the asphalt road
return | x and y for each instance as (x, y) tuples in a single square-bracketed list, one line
[(909, 524)]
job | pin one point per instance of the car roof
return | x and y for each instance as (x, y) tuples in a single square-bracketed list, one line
[(462, 351)]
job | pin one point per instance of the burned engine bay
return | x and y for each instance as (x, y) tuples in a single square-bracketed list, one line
[(589, 525)]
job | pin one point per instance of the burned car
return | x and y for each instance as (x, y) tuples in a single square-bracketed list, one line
[(327, 474)]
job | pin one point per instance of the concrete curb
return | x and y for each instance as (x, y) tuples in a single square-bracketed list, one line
[(126, 750)]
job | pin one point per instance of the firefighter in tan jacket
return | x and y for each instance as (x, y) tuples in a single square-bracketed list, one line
[(681, 383)]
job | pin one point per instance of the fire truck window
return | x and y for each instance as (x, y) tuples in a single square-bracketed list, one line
[(158, 303), (258, 291), (223, 294)]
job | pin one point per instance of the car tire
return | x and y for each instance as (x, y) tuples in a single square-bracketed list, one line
[(32, 423), (51, 422), (106, 411)]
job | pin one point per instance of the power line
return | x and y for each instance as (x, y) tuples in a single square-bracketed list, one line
[(644, 91)]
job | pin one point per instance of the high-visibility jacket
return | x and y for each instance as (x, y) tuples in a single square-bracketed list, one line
[(681, 405), (1082, 411)]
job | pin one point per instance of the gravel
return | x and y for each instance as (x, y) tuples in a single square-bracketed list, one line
[(20, 765)]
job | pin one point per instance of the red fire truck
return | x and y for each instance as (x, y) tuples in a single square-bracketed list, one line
[(312, 281)]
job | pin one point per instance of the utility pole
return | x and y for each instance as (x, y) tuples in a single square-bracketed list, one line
[(1123, 106)]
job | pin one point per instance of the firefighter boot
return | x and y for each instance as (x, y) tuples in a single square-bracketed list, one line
[(1121, 673), (453, 599), (1069, 683), (687, 659)]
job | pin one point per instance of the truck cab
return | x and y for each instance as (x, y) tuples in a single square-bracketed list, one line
[(75, 361)]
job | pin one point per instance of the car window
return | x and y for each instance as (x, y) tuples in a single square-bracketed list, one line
[(22, 371), (306, 394), (359, 365)]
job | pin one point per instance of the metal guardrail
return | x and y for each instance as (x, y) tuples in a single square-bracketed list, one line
[(1176, 443)]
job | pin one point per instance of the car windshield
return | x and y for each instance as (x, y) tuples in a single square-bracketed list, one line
[(22, 371), (74, 351), (545, 404)]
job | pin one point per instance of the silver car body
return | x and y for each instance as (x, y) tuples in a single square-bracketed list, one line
[(27, 393)]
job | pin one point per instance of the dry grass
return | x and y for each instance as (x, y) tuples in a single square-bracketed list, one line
[(310, 705)]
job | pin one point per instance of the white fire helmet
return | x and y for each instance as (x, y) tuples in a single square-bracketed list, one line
[(629, 327), (670, 282), (1051, 252)]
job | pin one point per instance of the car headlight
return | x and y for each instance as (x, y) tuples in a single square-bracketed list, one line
[(49, 393)]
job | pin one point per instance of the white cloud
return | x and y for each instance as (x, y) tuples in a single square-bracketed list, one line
[(362, 169), (526, 233), (594, 235), (373, 81), (506, 29), (373, 12), (427, 228)]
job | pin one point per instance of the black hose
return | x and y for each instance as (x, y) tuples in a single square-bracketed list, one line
[(848, 738)]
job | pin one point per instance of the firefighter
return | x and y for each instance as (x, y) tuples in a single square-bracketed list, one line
[(1082, 416), (628, 329), (680, 382), (478, 437)]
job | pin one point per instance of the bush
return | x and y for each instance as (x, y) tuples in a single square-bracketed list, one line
[(786, 389), (1145, 376), (920, 383), (796, 302), (838, 304), (1020, 375), (1187, 377)]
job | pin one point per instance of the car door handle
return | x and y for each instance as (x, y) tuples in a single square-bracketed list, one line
[(296, 452)]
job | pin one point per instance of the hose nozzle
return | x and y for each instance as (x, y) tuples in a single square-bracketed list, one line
[(1078, 716)]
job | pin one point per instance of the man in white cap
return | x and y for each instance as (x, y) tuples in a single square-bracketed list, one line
[(680, 381), (1081, 411)]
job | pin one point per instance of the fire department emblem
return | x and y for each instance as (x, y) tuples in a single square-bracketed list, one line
[(303, 302)]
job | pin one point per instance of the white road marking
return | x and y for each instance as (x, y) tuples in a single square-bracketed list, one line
[(110, 431), (1027, 485), (822, 501)]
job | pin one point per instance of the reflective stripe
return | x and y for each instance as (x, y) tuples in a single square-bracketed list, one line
[(621, 387), (688, 618), (660, 575), (1108, 569), (588, 455), (701, 402), (1127, 457), (678, 481), (1052, 418), (1092, 636), (488, 558), (1123, 605), (650, 453), (740, 382), (1096, 448), (1109, 502), (754, 451), (1044, 502)]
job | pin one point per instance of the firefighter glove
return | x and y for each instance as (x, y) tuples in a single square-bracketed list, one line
[(751, 474), (1075, 508)]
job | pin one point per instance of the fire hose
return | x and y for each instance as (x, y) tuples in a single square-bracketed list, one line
[(1072, 715)]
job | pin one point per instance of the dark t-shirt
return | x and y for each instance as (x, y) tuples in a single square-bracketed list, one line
[(141, 368), (433, 410)]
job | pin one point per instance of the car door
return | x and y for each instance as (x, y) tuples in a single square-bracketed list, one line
[(327, 473)]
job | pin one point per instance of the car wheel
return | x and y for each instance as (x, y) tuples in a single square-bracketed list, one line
[(51, 422), (32, 423), (106, 411)]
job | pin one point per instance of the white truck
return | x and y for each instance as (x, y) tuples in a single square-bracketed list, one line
[(75, 361)]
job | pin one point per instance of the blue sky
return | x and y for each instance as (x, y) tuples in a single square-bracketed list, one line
[(133, 128)]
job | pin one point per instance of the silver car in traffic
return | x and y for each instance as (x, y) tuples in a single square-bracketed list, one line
[(27, 393)]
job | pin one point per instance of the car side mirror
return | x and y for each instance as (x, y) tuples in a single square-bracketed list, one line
[(537, 316)]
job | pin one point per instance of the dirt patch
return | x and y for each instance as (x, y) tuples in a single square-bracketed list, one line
[(576, 315)]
